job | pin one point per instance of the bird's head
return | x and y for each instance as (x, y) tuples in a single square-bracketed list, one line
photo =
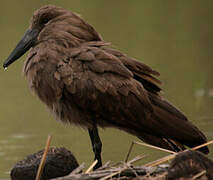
[(56, 24)]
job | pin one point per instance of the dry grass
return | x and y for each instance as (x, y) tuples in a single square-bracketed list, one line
[(42, 163), (110, 172)]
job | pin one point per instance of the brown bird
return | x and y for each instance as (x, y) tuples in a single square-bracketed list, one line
[(85, 82)]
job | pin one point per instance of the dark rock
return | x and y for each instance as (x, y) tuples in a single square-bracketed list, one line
[(188, 164), (59, 162)]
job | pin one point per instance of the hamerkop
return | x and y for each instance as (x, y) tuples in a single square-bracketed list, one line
[(87, 83)]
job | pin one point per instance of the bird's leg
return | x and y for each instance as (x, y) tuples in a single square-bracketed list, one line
[(96, 145)]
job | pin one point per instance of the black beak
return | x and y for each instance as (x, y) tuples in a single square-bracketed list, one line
[(23, 46)]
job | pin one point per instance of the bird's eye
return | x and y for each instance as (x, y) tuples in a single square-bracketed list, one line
[(45, 21)]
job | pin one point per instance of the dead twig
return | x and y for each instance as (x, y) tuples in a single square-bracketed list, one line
[(147, 145), (41, 166), (105, 166), (202, 145), (130, 150), (172, 156), (137, 158), (78, 169), (92, 166), (155, 147), (161, 160), (199, 174)]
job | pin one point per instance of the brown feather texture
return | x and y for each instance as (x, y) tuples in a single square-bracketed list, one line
[(84, 81)]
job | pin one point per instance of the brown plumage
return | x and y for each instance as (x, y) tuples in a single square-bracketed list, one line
[(85, 82)]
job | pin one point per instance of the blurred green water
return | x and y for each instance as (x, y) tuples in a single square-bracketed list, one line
[(173, 37)]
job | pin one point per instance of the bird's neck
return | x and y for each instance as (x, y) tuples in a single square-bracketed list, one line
[(69, 34)]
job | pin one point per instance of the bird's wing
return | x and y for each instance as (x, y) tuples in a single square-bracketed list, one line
[(166, 119), (141, 71), (104, 89), (98, 82)]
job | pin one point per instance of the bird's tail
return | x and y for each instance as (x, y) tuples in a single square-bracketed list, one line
[(174, 128)]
